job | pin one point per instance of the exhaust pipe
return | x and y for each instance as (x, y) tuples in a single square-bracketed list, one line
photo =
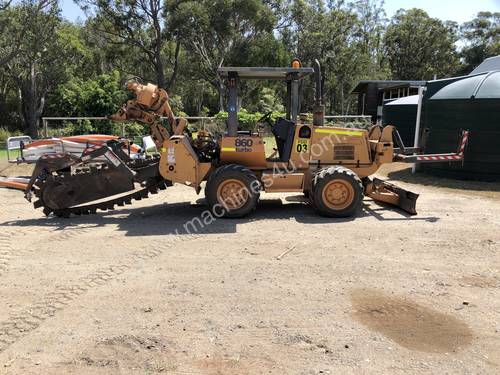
[(319, 108)]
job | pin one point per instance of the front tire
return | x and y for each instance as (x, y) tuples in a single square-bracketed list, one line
[(337, 192), (233, 190)]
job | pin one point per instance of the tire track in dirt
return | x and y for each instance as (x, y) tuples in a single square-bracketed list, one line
[(6, 251), (21, 324), (70, 233)]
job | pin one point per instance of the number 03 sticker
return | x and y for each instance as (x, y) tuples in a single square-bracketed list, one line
[(302, 145)]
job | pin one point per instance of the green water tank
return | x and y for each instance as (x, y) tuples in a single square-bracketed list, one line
[(473, 103), (402, 113)]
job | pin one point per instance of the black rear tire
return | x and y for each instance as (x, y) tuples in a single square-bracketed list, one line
[(337, 192), (232, 191)]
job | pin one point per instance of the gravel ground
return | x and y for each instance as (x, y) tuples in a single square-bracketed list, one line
[(282, 292)]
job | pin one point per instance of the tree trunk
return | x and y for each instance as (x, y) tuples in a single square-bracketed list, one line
[(31, 112), (3, 100), (154, 9), (160, 75), (173, 77), (32, 104), (221, 90)]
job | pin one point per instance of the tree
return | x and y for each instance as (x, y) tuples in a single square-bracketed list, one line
[(138, 25), (369, 32), (211, 29), (38, 65), (419, 47), (7, 29), (343, 37), (98, 96), (482, 39)]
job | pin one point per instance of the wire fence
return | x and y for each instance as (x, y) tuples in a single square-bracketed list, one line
[(68, 126)]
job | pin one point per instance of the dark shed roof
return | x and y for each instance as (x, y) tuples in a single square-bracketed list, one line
[(382, 84)]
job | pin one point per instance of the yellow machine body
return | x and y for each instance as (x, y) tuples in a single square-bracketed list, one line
[(321, 147), (179, 163), (329, 165), (306, 150)]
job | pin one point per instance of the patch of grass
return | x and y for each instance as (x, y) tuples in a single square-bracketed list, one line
[(3, 154)]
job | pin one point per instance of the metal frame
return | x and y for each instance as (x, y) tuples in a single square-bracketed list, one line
[(19, 139), (265, 73), (292, 76)]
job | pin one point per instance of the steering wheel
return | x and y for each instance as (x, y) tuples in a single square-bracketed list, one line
[(266, 118)]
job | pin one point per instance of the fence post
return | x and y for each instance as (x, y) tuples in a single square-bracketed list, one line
[(421, 91), (45, 128), (123, 130)]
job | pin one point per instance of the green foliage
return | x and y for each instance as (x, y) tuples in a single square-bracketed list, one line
[(246, 120), (37, 65), (269, 101), (482, 38), (176, 104), (216, 32), (6, 133), (51, 67), (345, 38), (136, 129), (101, 96), (79, 127), (419, 47)]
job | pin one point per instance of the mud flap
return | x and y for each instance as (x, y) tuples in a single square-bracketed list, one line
[(386, 192)]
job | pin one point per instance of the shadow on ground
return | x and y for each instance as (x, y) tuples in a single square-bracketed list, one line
[(186, 218), (421, 178)]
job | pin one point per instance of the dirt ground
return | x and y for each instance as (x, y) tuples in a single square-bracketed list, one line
[(280, 292)]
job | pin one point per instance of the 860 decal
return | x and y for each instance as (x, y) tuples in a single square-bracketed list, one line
[(243, 144)]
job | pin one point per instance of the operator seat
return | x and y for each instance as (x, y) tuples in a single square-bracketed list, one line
[(283, 131)]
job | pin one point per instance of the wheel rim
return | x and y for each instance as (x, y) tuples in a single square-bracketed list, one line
[(338, 194), (232, 194)]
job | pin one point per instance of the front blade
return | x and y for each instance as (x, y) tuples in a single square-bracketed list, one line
[(389, 193), (407, 201)]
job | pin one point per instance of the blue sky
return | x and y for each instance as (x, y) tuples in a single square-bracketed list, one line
[(454, 10)]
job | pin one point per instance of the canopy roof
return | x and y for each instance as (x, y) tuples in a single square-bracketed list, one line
[(285, 74)]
